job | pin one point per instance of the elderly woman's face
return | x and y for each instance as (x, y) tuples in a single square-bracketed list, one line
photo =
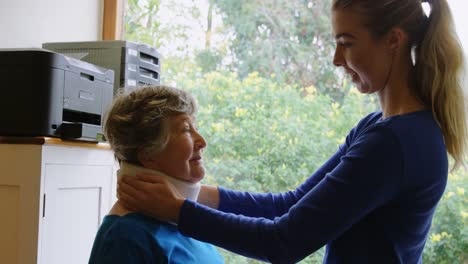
[(182, 156)]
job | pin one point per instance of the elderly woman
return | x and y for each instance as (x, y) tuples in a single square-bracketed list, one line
[(152, 130)]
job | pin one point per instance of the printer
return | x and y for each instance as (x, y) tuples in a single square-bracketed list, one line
[(44, 93), (134, 64)]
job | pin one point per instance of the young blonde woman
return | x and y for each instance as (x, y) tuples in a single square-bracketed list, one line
[(152, 131), (374, 199)]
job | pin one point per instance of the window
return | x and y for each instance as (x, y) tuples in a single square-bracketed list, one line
[(459, 8), (272, 105)]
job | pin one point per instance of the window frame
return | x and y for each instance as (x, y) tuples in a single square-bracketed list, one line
[(112, 22)]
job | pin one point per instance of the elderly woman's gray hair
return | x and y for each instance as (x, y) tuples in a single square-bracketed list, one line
[(136, 121)]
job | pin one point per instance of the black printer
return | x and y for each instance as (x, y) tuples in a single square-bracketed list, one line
[(44, 93)]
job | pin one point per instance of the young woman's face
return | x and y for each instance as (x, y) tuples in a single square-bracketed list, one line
[(363, 58), (182, 156)]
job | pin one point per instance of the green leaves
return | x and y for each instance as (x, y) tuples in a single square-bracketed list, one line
[(272, 106), (290, 40), (448, 240), (265, 136)]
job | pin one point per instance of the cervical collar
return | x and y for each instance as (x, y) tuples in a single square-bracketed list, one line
[(189, 190)]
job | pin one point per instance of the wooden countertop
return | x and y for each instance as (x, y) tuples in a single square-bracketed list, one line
[(53, 141)]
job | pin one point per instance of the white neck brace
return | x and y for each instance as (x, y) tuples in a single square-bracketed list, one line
[(189, 190)]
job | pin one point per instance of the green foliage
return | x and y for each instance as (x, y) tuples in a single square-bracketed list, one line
[(140, 22), (267, 137), (448, 240), (288, 41), (278, 110), (208, 60), (263, 136), (288, 38), (143, 24)]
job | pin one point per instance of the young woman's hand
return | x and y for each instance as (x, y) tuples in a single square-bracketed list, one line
[(151, 195)]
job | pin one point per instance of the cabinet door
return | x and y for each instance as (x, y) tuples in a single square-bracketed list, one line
[(76, 199)]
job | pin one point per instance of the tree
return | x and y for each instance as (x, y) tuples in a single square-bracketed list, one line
[(165, 25), (266, 135), (288, 39), (140, 23)]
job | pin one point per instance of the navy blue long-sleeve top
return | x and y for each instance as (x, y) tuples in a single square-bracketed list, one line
[(371, 202)]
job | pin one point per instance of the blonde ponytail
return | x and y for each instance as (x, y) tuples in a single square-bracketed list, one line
[(439, 59), (439, 70)]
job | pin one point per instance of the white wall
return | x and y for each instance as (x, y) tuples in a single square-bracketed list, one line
[(29, 23)]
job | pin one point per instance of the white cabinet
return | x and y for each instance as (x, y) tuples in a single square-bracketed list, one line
[(53, 197)]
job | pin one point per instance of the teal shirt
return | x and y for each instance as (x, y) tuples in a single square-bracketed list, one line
[(135, 238)]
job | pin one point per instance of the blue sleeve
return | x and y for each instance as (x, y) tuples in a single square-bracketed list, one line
[(270, 205), (124, 251), (367, 176)]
